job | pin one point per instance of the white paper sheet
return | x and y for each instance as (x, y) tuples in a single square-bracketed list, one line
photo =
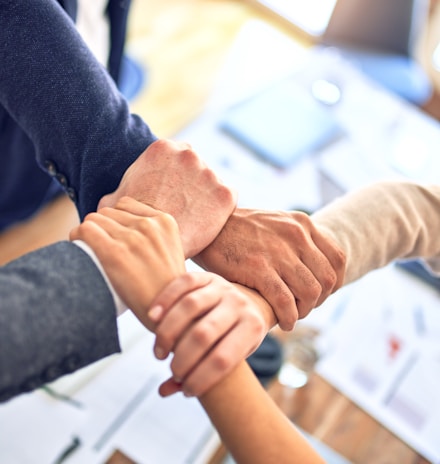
[(120, 409), (384, 354)]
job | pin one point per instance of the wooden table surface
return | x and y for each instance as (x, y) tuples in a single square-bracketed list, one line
[(182, 44)]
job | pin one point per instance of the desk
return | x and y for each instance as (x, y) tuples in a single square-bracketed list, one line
[(194, 37)]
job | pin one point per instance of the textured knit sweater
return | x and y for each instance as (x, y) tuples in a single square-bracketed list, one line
[(382, 222)]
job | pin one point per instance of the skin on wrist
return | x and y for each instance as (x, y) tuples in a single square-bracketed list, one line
[(265, 308), (251, 425)]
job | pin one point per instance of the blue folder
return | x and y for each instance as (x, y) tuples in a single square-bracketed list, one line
[(281, 123)]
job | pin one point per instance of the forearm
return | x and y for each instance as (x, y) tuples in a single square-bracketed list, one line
[(383, 222), (56, 315), (65, 101), (251, 425)]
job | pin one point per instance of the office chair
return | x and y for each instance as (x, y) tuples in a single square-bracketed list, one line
[(380, 36)]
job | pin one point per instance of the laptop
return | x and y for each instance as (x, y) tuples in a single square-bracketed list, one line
[(387, 25)]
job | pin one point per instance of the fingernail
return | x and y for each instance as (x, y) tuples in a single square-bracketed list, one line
[(160, 352), (187, 394), (155, 313)]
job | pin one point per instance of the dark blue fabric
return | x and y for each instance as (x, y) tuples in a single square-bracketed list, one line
[(23, 185), (68, 110), (117, 11), (70, 7)]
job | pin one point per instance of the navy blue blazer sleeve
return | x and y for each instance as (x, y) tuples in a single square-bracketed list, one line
[(56, 316), (65, 101)]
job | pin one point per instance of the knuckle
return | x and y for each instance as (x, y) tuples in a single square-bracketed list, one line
[(169, 222), (189, 279), (314, 292), (164, 338), (226, 195), (188, 154), (123, 201), (93, 215), (160, 144), (85, 226), (190, 302), (143, 224), (329, 281), (340, 260), (177, 369), (302, 218), (202, 334), (220, 361), (257, 324)]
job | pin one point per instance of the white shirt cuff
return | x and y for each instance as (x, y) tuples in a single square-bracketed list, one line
[(119, 304)]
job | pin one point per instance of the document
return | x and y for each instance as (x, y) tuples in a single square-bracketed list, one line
[(383, 352), (114, 405)]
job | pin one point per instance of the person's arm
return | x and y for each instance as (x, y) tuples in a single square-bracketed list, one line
[(170, 177), (84, 134), (383, 222), (210, 326), (280, 254), (56, 316), (210, 343), (250, 424), (149, 237), (66, 102), (86, 138), (57, 313)]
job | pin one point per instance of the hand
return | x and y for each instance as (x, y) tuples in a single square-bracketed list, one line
[(170, 177), (139, 249), (210, 325), (282, 255)]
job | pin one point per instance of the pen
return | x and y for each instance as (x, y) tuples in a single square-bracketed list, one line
[(76, 442), (61, 397)]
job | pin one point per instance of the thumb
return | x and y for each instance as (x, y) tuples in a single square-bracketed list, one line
[(108, 200)]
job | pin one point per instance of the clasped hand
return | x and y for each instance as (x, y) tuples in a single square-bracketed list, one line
[(208, 323)]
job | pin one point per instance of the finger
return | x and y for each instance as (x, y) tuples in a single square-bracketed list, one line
[(175, 290), (126, 218), (136, 208), (199, 340), (115, 224), (325, 279), (306, 288), (316, 261), (218, 363), (279, 295), (74, 233), (184, 313), (95, 236), (334, 255), (169, 387)]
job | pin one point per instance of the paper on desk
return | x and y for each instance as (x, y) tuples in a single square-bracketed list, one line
[(120, 410), (384, 354), (126, 413), (37, 428), (387, 138)]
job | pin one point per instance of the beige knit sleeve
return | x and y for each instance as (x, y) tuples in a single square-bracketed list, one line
[(382, 222)]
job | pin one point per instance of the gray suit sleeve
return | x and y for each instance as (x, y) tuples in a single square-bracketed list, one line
[(56, 316)]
